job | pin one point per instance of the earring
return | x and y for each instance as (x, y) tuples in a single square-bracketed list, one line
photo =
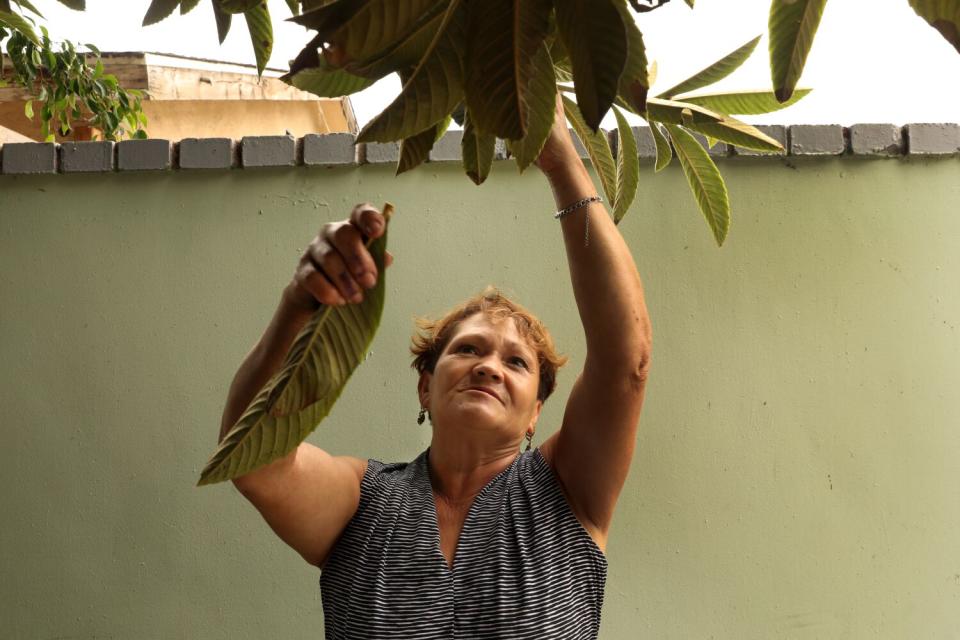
[(529, 440), (422, 416)]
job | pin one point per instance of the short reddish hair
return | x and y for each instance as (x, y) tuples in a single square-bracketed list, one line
[(433, 336)]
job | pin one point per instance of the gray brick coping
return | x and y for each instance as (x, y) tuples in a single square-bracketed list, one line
[(268, 151), (776, 131), (24, 158), (206, 153), (876, 140), (928, 139), (329, 150), (86, 157), (144, 155), (817, 140), (339, 149)]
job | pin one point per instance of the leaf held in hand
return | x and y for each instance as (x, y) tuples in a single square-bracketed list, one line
[(291, 405)]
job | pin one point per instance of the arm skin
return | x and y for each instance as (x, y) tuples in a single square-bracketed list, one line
[(308, 496), (592, 451)]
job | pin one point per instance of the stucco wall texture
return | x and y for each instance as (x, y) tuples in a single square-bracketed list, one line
[(797, 474)]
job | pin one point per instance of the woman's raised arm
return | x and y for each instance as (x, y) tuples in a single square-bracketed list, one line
[(591, 453), (308, 496)]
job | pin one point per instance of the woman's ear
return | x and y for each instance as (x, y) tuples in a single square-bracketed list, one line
[(536, 415), (423, 388)]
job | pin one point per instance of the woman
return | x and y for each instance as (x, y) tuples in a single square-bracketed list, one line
[(470, 540)]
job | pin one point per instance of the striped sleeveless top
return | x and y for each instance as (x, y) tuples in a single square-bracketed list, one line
[(524, 566)]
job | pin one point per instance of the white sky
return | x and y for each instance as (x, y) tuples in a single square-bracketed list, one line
[(872, 60)]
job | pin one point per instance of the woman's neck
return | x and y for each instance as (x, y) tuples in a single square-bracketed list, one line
[(459, 473)]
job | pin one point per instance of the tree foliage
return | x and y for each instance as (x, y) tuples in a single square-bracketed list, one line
[(493, 66)]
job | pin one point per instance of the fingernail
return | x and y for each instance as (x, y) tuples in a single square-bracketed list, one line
[(357, 299), (368, 280)]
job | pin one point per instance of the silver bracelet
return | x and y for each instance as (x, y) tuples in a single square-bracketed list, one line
[(574, 207)]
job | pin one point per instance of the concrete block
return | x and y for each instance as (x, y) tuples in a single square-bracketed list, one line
[(646, 147), (144, 155), (86, 157), (21, 158), (329, 150), (268, 151), (380, 152), (447, 148), (719, 150), (816, 140), (929, 139), (876, 140), (206, 153), (776, 131)]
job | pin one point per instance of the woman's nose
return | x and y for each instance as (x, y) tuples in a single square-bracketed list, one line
[(487, 368)]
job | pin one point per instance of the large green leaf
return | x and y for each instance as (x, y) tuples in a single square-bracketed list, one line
[(477, 149), (664, 152), (415, 149), (261, 34), (594, 33), (598, 148), (744, 102), (26, 4), (433, 90), (628, 167), (378, 24), (715, 72), (158, 10), (19, 23), (942, 15), (676, 112), (705, 181), (793, 24), (238, 6), (294, 6), (186, 6), (406, 52), (735, 132), (327, 17), (223, 21), (327, 82), (291, 405), (538, 104), (635, 79), (77, 5), (504, 40)]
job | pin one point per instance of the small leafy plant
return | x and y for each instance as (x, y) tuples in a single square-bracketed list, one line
[(69, 90)]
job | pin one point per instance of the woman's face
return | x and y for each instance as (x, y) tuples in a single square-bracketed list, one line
[(486, 378)]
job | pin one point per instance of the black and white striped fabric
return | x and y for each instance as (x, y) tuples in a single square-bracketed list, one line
[(524, 565)]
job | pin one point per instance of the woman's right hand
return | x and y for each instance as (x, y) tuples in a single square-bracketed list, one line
[(336, 267)]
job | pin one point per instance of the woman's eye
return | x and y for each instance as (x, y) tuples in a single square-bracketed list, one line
[(520, 362), (466, 347)]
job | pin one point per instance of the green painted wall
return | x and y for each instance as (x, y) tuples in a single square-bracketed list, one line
[(798, 469)]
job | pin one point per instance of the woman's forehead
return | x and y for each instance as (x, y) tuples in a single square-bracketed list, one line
[(479, 324)]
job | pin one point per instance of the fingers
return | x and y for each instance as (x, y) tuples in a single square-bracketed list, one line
[(368, 218), (337, 266)]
